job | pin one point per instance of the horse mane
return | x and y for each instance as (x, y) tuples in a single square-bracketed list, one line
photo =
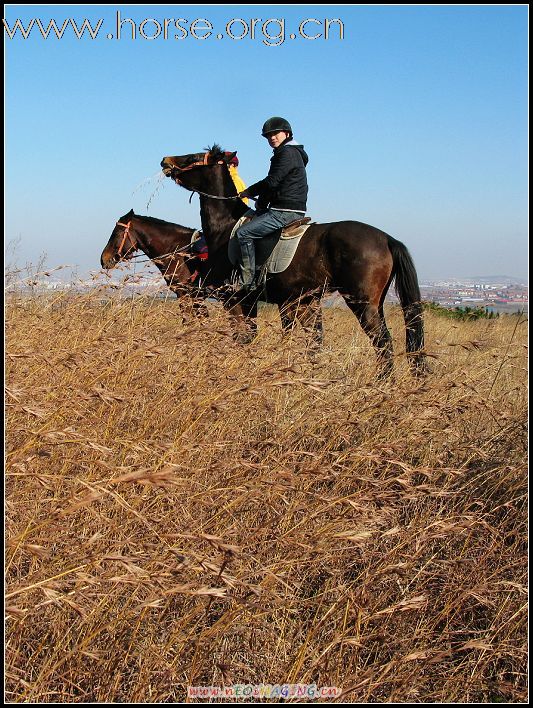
[(162, 222), (215, 150)]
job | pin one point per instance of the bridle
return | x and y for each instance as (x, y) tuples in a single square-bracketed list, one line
[(200, 163), (125, 235)]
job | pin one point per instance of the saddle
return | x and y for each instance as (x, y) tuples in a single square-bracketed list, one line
[(291, 230), (198, 246), (273, 253)]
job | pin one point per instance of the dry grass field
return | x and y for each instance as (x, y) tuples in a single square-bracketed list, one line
[(184, 511)]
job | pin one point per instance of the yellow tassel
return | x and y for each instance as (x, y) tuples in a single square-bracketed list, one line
[(237, 181)]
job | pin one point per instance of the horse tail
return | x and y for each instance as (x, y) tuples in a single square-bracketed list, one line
[(408, 291)]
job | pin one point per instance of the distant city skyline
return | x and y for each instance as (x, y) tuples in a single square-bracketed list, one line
[(480, 278), (414, 118)]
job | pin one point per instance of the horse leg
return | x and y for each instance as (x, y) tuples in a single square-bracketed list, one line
[(249, 309), (200, 310), (287, 313), (372, 319), (243, 313), (310, 316), (191, 308)]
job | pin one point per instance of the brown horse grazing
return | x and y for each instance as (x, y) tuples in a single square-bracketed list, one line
[(356, 259), (165, 243)]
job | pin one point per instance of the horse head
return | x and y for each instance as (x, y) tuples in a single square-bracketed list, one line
[(198, 170), (122, 243)]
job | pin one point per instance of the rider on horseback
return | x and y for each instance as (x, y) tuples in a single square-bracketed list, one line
[(282, 195)]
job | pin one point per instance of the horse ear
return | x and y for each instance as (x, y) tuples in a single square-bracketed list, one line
[(228, 156), (131, 213)]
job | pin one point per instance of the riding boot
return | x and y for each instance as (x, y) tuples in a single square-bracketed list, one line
[(247, 264)]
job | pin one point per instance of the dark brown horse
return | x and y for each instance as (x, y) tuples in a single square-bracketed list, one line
[(355, 259), (168, 245), (184, 267)]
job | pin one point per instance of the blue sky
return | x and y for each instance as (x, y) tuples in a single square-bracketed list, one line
[(415, 122)]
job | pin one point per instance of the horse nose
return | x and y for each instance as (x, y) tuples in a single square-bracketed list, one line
[(106, 260), (166, 166)]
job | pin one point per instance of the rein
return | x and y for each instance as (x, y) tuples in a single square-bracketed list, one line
[(203, 194)]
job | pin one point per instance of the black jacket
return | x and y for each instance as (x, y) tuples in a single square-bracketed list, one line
[(285, 186)]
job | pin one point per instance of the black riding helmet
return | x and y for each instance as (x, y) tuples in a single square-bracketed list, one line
[(275, 124)]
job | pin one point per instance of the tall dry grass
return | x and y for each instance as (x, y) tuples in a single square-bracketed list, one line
[(183, 511)]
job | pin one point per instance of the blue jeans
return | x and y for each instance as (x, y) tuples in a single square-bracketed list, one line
[(262, 224)]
